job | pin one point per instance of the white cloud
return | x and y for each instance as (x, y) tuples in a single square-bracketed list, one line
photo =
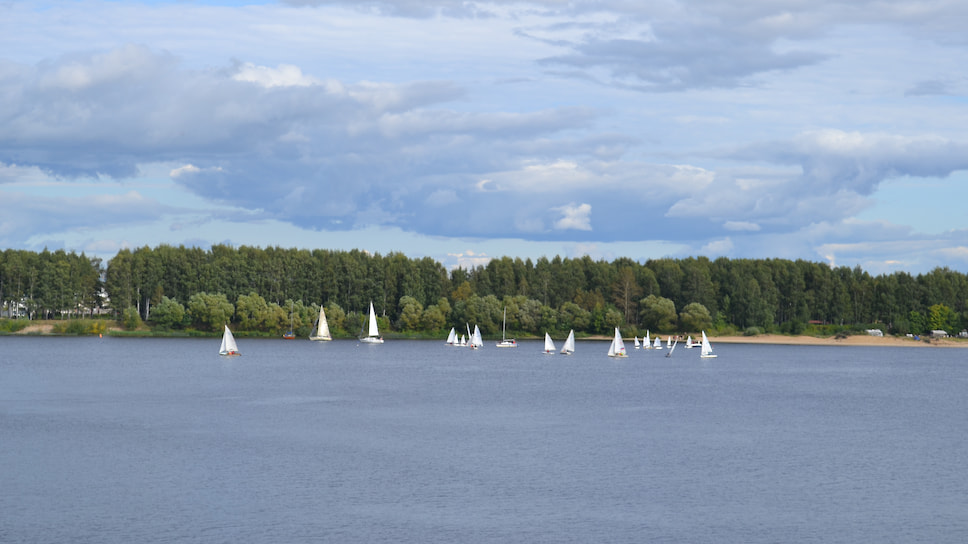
[(741, 226), (577, 217), (285, 75)]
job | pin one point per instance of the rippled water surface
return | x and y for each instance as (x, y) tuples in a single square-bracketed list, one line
[(160, 440)]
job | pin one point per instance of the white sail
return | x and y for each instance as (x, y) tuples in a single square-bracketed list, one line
[(549, 346), (228, 347), (637, 342), (669, 342), (617, 348), (505, 341), (657, 344), (452, 337), (646, 343), (569, 346), (673, 348), (707, 348), (689, 343), (476, 341), (463, 340), (373, 333), (322, 327)]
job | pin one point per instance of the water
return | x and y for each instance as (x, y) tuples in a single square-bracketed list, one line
[(160, 440)]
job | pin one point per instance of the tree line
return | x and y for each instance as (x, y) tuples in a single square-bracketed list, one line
[(270, 289)]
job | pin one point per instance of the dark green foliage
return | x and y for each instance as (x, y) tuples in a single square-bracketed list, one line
[(553, 295)]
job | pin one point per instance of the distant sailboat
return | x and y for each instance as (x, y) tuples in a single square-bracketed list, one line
[(657, 344), (476, 341), (289, 335), (689, 343), (673, 348), (549, 346), (707, 348), (617, 347), (646, 343), (373, 333), (228, 347), (506, 342), (637, 346), (322, 327), (569, 346), (669, 342), (452, 337)]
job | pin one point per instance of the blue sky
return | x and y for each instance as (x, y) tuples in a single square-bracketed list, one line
[(825, 131)]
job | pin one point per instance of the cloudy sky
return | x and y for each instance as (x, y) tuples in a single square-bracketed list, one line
[(832, 131)]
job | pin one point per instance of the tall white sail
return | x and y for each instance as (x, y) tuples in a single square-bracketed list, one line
[(549, 346), (476, 341), (569, 346), (657, 344), (228, 346), (707, 348), (617, 348), (452, 337), (322, 327), (373, 333)]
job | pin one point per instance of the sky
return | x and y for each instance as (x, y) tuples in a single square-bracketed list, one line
[(829, 131)]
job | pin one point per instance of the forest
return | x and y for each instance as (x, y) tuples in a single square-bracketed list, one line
[(263, 290)]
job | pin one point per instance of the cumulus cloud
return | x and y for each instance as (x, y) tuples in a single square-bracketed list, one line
[(573, 216)]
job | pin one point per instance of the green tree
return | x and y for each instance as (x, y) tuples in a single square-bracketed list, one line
[(411, 313), (941, 318), (658, 313), (130, 318), (168, 314), (695, 317), (210, 311)]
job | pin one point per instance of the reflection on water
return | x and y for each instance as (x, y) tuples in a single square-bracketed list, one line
[(148, 440)]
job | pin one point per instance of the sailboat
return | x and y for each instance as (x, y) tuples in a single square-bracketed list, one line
[(637, 346), (373, 333), (505, 341), (657, 344), (707, 348), (617, 347), (669, 342), (228, 347), (463, 340), (646, 343), (452, 337), (569, 346), (549, 346), (689, 343), (475, 341), (289, 335), (673, 348), (322, 327)]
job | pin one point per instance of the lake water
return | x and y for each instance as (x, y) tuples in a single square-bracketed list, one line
[(119, 440)]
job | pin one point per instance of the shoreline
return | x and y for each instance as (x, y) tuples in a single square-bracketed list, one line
[(45, 329), (855, 340)]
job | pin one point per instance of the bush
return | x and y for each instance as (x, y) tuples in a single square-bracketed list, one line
[(752, 331), (80, 326), (13, 325), (130, 318)]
